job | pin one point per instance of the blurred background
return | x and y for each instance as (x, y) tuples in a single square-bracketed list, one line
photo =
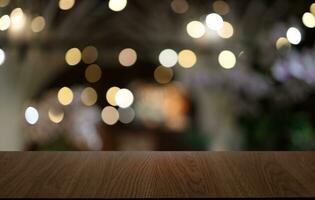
[(157, 75)]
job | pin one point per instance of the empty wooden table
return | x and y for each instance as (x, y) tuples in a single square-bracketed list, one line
[(157, 174)]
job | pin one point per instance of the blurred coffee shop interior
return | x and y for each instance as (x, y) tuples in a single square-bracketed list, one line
[(157, 75)]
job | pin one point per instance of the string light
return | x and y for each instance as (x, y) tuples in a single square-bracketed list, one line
[(110, 95), (66, 4), (127, 57), (227, 59), (214, 21), (124, 98), (110, 115), (2, 56), (168, 58), (65, 96), (195, 29), (226, 31), (38, 24), (55, 116), (187, 58), (308, 20), (73, 56), (294, 35), (18, 20), (117, 5), (282, 42), (5, 22), (31, 115)]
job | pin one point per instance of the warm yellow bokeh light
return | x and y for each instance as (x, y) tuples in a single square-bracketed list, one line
[(110, 95), (65, 96), (163, 75), (117, 5), (226, 31), (195, 29), (55, 116), (179, 6), (312, 8), (73, 56), (127, 57), (4, 3), (308, 20), (5, 22), (38, 24), (18, 20), (110, 115), (89, 54), (221, 7), (187, 58), (93, 73), (89, 96), (227, 59), (66, 4), (282, 42)]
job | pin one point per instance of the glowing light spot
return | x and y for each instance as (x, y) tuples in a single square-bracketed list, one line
[(226, 31), (2, 56), (127, 57), (31, 115), (308, 20), (110, 115), (73, 56), (89, 96), (187, 58), (214, 21), (312, 8), (124, 98), (163, 75), (56, 116), (179, 6), (117, 5), (5, 22), (18, 20), (126, 115), (89, 54), (65, 96), (294, 35), (4, 3), (168, 58), (227, 59), (282, 42), (195, 29), (38, 24), (93, 73), (110, 95), (66, 4), (221, 7)]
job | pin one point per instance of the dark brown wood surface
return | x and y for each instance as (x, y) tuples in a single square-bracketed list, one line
[(157, 174)]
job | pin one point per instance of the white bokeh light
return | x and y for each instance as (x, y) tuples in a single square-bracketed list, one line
[(214, 21), (168, 58), (294, 35), (2, 56), (117, 5), (195, 29), (124, 98), (31, 115)]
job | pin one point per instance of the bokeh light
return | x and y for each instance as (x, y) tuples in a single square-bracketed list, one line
[(110, 95), (73, 56), (31, 115), (127, 57), (126, 115), (2, 56), (38, 24), (312, 8), (227, 59), (88, 96), (4, 3), (110, 115), (66, 4), (124, 98), (65, 96), (308, 20), (168, 58), (195, 29), (117, 5), (226, 31), (221, 7), (93, 73), (282, 42), (163, 75), (187, 58), (18, 20), (294, 35), (56, 116), (89, 54), (179, 6), (214, 21), (5, 22)]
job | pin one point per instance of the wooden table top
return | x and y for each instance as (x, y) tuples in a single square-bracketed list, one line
[(157, 174)]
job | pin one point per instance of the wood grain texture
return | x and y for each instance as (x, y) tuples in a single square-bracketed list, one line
[(157, 174)]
